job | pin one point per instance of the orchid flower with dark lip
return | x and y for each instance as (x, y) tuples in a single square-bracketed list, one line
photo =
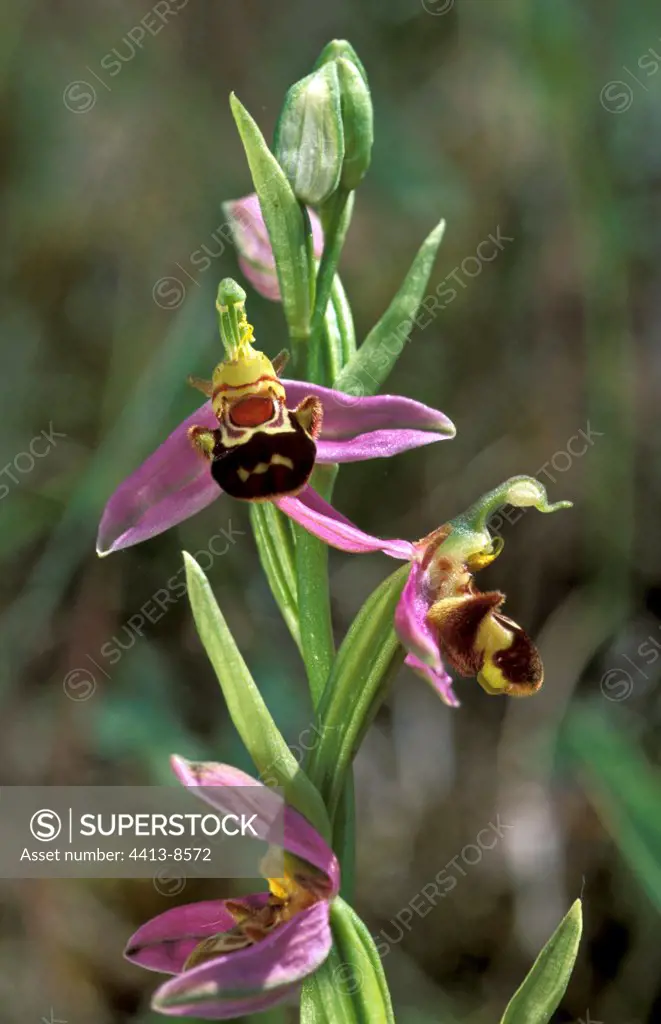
[(441, 613), (254, 246), (240, 956), (258, 436)]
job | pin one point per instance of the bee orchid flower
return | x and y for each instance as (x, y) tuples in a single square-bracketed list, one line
[(441, 616), (240, 956), (257, 438)]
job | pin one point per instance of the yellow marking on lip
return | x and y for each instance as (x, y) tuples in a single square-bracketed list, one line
[(282, 460), (263, 467)]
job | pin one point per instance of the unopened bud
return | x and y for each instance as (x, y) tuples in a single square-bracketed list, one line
[(356, 107), (340, 48), (309, 141)]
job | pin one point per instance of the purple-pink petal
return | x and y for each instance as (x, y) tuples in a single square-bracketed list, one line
[(439, 680), (174, 482), (251, 979), (254, 247), (379, 444), (316, 515), (165, 943), (411, 623), (300, 837), (171, 485), (418, 637), (348, 416), (248, 228), (263, 281)]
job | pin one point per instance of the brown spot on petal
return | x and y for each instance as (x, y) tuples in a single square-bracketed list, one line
[(217, 945), (520, 664), (458, 621)]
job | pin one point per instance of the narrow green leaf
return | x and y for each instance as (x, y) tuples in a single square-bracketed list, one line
[(253, 721), (285, 221), (275, 544), (544, 986), (357, 682), (323, 1000), (344, 320), (369, 367), (350, 986), (356, 946)]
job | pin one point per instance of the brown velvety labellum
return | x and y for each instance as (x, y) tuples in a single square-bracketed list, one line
[(269, 465), (458, 624)]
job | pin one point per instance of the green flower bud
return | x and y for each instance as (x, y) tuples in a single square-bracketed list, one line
[(309, 139), (356, 105), (340, 48), (357, 121)]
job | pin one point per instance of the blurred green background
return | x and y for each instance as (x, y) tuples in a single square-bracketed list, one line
[(540, 119)]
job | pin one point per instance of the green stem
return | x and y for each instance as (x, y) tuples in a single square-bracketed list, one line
[(275, 544), (314, 611), (299, 348), (336, 217)]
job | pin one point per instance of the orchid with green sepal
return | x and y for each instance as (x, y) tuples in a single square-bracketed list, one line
[(440, 613)]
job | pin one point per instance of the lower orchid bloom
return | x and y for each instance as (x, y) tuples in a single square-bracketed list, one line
[(441, 614), (258, 439), (239, 956)]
